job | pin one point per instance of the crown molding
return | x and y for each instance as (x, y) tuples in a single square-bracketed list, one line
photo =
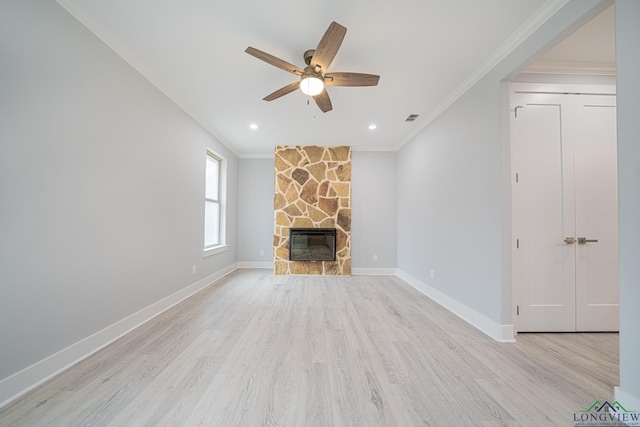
[(371, 148), (522, 33), (579, 68), (257, 156), (542, 15), (85, 18)]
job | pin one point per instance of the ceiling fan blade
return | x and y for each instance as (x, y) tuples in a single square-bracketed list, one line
[(282, 91), (328, 47), (276, 62), (350, 79), (323, 101)]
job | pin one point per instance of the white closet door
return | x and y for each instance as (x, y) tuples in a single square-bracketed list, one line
[(566, 206)]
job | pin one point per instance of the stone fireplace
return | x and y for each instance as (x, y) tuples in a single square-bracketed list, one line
[(312, 191)]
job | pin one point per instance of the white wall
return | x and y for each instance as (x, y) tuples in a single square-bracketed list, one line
[(374, 212), (628, 87), (101, 188), (255, 212)]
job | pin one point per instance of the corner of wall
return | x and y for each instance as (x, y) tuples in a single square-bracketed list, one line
[(495, 330), (629, 401), (31, 377)]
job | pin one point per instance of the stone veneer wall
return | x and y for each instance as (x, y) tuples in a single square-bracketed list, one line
[(312, 190)]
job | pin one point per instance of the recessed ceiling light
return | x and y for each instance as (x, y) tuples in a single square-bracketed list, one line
[(253, 126), (372, 127)]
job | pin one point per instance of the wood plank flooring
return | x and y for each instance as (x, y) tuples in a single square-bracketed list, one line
[(263, 350)]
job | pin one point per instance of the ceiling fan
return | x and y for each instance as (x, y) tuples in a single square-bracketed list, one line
[(314, 77)]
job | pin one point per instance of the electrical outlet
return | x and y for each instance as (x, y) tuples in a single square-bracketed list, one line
[(431, 273), (194, 269), (261, 252), (375, 258)]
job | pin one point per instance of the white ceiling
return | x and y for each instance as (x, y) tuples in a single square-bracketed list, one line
[(591, 49), (426, 51)]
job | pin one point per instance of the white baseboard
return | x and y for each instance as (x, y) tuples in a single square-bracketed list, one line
[(29, 378), (355, 271), (497, 331), (629, 401), (250, 264)]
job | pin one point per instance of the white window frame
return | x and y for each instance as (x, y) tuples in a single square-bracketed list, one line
[(220, 245)]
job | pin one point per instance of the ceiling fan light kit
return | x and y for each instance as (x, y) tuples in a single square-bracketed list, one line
[(311, 83), (314, 77)]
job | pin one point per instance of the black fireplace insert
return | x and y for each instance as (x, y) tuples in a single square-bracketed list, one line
[(312, 244)]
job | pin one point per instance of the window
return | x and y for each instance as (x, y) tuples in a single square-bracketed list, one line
[(213, 203)]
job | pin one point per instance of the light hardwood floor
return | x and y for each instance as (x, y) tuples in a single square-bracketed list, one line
[(263, 350)]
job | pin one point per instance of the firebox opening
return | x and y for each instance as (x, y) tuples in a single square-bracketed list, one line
[(312, 244)]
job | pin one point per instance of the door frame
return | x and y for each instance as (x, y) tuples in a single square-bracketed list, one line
[(515, 214)]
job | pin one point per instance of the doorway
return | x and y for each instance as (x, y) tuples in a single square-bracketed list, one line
[(565, 208)]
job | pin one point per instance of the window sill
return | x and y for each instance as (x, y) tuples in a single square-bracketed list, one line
[(214, 250)]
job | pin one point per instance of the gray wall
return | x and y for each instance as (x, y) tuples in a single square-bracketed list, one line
[(449, 201), (449, 197), (255, 210), (373, 222), (101, 184), (453, 204), (628, 70), (101, 187), (374, 209)]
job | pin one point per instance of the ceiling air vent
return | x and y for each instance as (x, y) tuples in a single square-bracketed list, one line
[(411, 118)]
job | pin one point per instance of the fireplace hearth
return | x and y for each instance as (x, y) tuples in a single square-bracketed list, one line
[(312, 244)]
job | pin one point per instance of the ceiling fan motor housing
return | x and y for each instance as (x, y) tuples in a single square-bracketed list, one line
[(308, 55)]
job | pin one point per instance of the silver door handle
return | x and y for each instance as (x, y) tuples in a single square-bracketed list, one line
[(570, 240), (584, 240)]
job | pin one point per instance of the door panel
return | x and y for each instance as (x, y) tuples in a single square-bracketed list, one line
[(597, 296), (548, 276), (565, 155)]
